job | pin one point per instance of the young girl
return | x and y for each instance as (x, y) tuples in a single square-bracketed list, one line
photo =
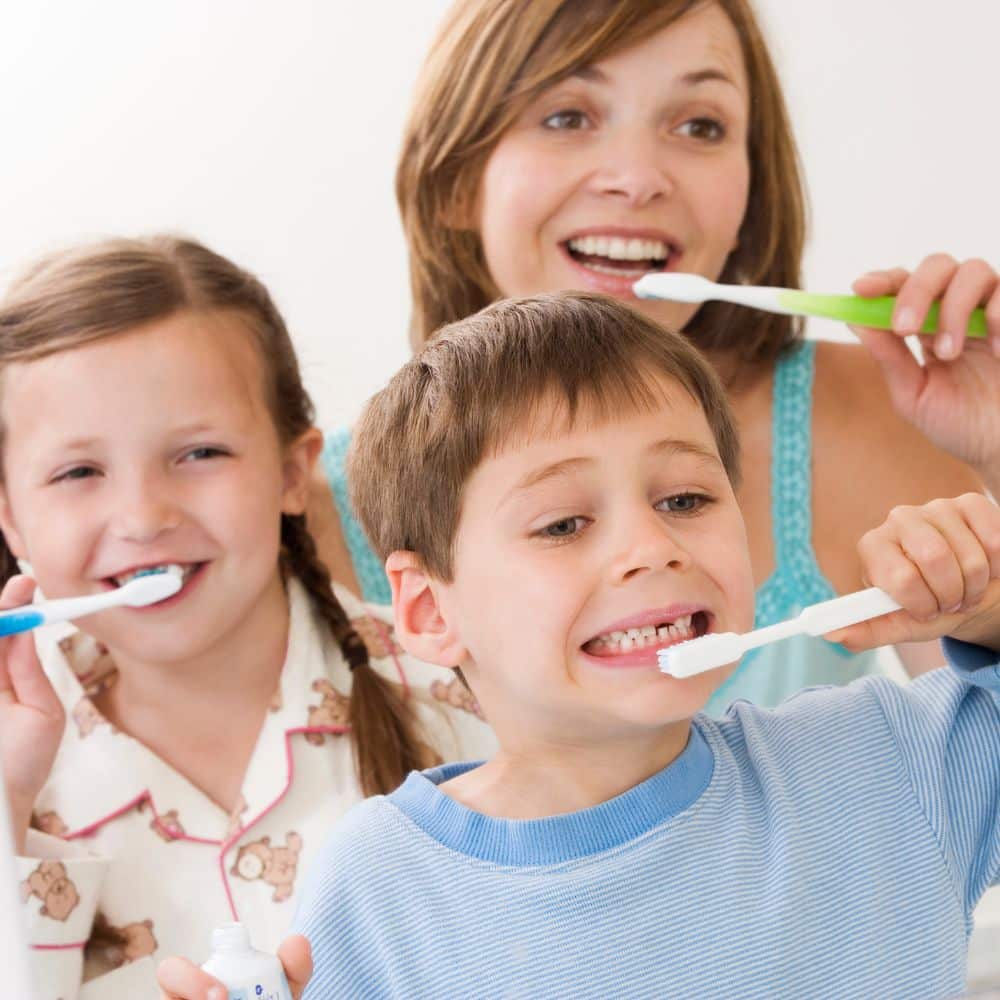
[(187, 757), (578, 144)]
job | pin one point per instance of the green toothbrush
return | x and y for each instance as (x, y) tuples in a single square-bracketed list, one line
[(848, 308)]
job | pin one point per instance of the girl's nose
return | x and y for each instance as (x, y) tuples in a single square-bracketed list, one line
[(143, 513), (633, 170)]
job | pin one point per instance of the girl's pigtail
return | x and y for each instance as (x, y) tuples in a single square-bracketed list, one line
[(8, 562), (383, 728)]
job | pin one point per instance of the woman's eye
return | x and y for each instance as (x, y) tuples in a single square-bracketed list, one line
[(564, 528), (684, 503), (705, 129), (563, 120)]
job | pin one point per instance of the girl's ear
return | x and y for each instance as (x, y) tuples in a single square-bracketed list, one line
[(10, 533), (297, 468), (422, 627)]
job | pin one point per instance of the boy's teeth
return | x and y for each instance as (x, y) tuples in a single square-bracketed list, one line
[(647, 635)]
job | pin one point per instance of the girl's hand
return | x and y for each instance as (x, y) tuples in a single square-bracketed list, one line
[(954, 397), (31, 716), (180, 979), (941, 562)]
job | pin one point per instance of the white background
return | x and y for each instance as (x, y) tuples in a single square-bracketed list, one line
[(270, 132)]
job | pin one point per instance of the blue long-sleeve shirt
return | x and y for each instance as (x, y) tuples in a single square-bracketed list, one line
[(834, 847)]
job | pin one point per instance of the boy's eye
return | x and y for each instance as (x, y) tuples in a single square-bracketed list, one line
[(684, 503), (564, 528), (203, 452), (705, 129), (570, 119)]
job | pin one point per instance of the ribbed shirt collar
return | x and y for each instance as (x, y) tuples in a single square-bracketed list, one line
[(555, 839)]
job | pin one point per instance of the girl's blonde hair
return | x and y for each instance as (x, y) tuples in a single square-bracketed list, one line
[(77, 297), (490, 60)]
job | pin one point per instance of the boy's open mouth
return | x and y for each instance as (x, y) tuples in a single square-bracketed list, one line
[(619, 255), (649, 637)]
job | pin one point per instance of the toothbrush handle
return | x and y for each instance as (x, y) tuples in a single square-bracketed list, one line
[(20, 620), (876, 313), (847, 610)]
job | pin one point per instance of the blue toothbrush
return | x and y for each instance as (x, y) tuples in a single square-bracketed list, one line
[(148, 587)]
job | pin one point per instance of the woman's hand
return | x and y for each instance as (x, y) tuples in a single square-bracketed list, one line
[(31, 716), (180, 979), (953, 398), (941, 563)]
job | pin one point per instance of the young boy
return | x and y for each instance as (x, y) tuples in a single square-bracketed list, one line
[(552, 482)]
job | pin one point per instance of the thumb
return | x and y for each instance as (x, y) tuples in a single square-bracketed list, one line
[(295, 954)]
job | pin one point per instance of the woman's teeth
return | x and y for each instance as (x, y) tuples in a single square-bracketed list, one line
[(639, 638), (598, 253)]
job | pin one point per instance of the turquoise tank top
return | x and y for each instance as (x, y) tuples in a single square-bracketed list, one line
[(765, 676)]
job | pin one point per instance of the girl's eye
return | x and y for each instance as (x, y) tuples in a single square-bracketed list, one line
[(200, 454), (567, 527), (704, 129), (78, 472), (684, 503), (570, 119)]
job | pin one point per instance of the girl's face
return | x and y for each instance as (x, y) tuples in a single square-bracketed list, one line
[(636, 163), (153, 447)]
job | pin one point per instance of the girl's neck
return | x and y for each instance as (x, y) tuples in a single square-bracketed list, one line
[(218, 699)]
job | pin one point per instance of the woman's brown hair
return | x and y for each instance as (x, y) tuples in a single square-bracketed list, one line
[(490, 60), (80, 296)]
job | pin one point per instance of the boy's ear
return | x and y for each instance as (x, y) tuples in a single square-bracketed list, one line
[(421, 627), (297, 469), (10, 533)]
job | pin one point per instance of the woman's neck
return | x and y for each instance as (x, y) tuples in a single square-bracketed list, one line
[(217, 699)]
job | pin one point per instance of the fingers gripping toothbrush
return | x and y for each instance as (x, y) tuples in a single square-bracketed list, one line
[(719, 648), (854, 309), (147, 587)]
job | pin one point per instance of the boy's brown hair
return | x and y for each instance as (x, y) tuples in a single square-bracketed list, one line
[(483, 379), (489, 61)]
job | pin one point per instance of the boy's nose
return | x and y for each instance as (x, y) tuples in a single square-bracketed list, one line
[(633, 171), (647, 547)]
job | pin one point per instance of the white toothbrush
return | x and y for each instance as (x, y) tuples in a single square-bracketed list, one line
[(150, 587), (875, 312), (719, 648)]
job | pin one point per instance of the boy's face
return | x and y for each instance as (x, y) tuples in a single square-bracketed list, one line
[(571, 539)]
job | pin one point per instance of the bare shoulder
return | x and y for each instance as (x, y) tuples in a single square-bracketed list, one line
[(856, 430)]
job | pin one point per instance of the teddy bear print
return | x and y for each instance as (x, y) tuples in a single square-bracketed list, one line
[(332, 711), (168, 826), (379, 638), (456, 694), (114, 947), (50, 884), (51, 823), (86, 717), (274, 865)]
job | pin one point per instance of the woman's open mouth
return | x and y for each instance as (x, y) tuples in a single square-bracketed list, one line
[(620, 256)]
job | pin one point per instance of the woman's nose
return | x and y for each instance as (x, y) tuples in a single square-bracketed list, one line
[(633, 169)]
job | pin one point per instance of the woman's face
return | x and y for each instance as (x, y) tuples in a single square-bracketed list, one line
[(635, 164)]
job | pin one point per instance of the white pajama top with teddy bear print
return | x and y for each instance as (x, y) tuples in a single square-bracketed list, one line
[(131, 862)]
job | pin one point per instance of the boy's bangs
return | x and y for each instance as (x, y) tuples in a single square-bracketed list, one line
[(557, 406)]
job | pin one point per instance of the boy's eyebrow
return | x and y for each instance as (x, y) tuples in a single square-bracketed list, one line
[(668, 446)]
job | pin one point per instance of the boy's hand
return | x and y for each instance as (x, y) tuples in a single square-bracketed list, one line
[(31, 716), (180, 979), (941, 562)]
